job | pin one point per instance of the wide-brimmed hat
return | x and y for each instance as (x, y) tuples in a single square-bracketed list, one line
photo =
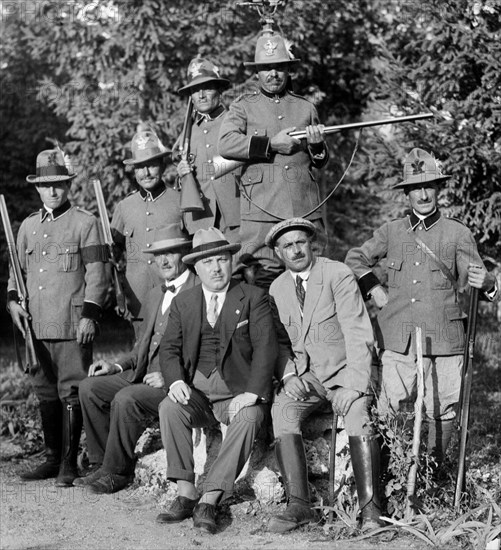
[(200, 71), (289, 225), (420, 167), (209, 242), (52, 166), (167, 238), (146, 145), (271, 49)]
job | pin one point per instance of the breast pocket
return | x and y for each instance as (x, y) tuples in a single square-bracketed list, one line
[(69, 258), (30, 259), (394, 268), (439, 280)]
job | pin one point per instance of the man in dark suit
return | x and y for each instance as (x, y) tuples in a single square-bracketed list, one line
[(217, 362), (120, 399)]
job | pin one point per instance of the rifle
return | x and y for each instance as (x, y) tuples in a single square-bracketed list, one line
[(108, 238), (190, 194), (31, 359), (464, 395), (222, 166)]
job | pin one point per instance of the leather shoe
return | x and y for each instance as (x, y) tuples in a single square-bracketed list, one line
[(93, 474), (180, 509), (109, 483), (294, 516), (204, 517)]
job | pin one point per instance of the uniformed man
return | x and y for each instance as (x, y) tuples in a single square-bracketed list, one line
[(277, 178), (64, 260), (429, 260), (221, 198), (138, 215)]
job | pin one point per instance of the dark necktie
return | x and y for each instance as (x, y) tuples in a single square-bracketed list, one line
[(300, 292), (170, 288)]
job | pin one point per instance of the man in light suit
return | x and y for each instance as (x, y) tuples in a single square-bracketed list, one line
[(217, 361), (120, 399), (318, 302)]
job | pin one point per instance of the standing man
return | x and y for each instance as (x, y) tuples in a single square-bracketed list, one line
[(318, 302), (429, 259), (120, 399), (221, 197), (137, 216), (64, 260), (277, 178), (217, 361)]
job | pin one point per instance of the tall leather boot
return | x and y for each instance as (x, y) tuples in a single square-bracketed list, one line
[(51, 425), (439, 436), (291, 458), (365, 458), (72, 429)]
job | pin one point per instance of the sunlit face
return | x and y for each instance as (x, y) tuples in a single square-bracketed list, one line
[(149, 174), (294, 249), (206, 97), (423, 198), (54, 194), (169, 265), (273, 78), (215, 271)]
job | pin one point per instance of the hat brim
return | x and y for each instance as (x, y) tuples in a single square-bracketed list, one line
[(222, 83), (132, 162), (275, 233), (191, 258), (415, 181), (49, 179), (167, 245), (256, 64)]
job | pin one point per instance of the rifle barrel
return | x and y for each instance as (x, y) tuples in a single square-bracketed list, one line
[(103, 214)]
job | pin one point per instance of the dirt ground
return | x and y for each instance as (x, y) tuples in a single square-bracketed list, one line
[(40, 516)]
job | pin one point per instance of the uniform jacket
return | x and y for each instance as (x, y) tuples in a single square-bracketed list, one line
[(334, 337), (64, 260), (282, 184), (249, 346), (136, 361), (419, 293), (223, 193), (133, 227)]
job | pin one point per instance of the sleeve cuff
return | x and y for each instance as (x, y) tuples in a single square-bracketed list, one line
[(366, 283), (317, 150), (259, 147), (92, 311), (491, 295), (175, 383), (12, 295), (119, 366)]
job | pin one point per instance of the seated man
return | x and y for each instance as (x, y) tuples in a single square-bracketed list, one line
[(318, 302), (217, 361), (120, 399)]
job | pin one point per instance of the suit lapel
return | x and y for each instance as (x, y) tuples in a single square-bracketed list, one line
[(315, 281), (230, 314), (194, 323)]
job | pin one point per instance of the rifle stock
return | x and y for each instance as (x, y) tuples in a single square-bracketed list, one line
[(31, 359), (108, 238)]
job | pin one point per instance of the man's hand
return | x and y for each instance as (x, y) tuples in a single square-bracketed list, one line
[(154, 379), (241, 401), (86, 331), (315, 134), (479, 277), (19, 316), (296, 388), (102, 368), (183, 168), (180, 393), (342, 398), (284, 144), (379, 296)]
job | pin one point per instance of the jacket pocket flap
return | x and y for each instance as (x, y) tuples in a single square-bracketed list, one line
[(69, 249), (259, 132), (129, 231), (253, 174), (455, 313), (393, 263)]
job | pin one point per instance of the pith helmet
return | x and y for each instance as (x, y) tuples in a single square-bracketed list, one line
[(202, 70), (271, 49), (146, 145), (52, 166), (420, 167)]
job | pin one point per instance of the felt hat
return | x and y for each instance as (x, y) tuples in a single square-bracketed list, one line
[(209, 242), (271, 49), (291, 224), (52, 166), (146, 145), (168, 238), (200, 71), (420, 167)]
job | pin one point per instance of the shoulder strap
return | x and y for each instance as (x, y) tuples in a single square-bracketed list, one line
[(443, 268)]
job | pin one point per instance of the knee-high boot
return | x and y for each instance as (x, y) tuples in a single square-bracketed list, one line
[(291, 458), (365, 458), (51, 425), (72, 429)]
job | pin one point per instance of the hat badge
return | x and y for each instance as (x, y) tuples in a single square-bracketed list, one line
[(417, 167), (52, 159), (141, 142), (195, 69), (270, 47)]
